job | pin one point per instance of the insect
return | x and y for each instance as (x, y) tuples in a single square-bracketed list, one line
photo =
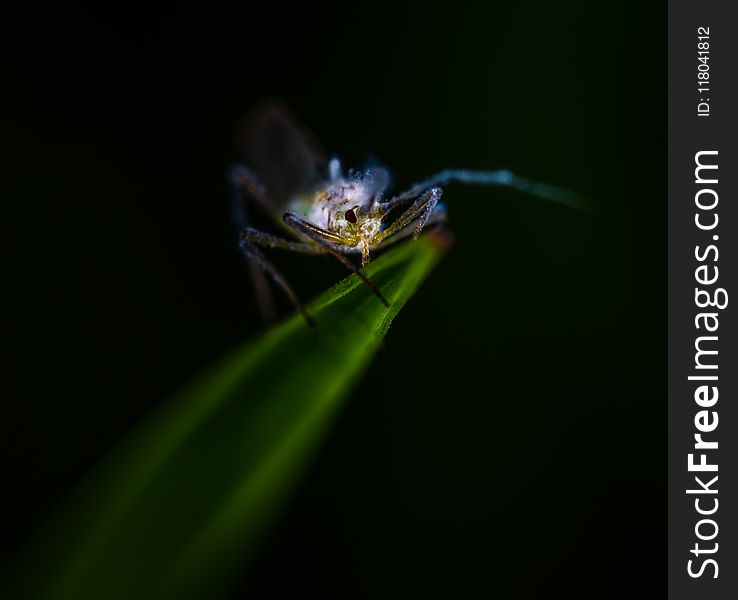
[(326, 211)]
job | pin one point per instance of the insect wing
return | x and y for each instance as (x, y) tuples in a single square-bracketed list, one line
[(285, 156)]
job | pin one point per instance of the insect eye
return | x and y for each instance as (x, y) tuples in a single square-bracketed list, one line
[(350, 216)]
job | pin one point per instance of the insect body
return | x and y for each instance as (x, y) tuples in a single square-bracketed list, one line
[(346, 210), (326, 212)]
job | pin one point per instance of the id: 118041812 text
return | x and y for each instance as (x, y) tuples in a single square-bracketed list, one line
[(703, 71)]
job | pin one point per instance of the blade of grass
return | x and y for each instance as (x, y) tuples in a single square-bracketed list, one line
[(190, 493)]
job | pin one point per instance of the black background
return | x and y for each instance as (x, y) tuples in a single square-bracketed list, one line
[(510, 436)]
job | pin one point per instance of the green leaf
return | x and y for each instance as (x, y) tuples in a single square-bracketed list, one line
[(187, 496)]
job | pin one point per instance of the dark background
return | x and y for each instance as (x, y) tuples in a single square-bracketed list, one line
[(509, 438)]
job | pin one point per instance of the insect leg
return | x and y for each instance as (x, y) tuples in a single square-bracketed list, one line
[(267, 240), (242, 183), (422, 209), (438, 217), (502, 178), (264, 298), (324, 238), (254, 255)]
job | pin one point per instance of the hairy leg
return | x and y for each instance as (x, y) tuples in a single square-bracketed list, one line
[(502, 178), (319, 236), (253, 237), (438, 217), (422, 209), (242, 186), (256, 257), (267, 240)]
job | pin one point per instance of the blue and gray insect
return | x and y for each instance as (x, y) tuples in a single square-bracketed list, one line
[(326, 211)]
